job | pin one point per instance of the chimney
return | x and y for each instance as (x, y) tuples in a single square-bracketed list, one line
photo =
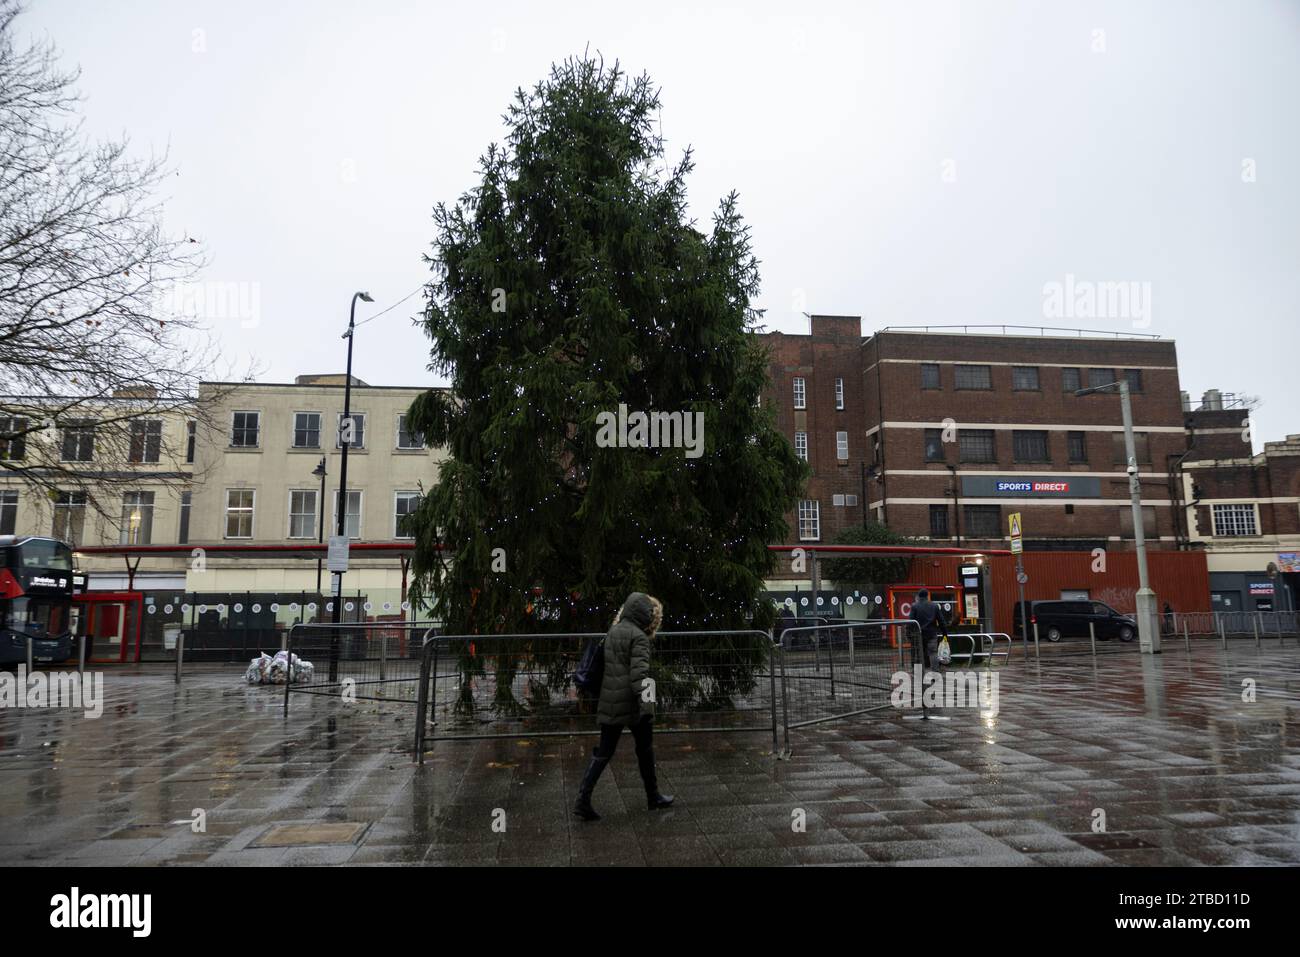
[(1187, 401), (1212, 400)]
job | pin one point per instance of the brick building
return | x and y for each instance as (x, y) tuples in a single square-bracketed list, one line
[(1243, 509), (942, 434)]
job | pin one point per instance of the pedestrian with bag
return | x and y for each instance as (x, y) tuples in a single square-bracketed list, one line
[(625, 700), (930, 618)]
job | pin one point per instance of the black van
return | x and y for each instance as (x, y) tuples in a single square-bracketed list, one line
[(1069, 619)]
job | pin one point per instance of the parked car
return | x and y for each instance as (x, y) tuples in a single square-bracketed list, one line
[(1070, 619)]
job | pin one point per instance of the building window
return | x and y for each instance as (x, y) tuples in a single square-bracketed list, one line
[(842, 446), (851, 501), (1024, 378), (839, 394), (938, 521), (146, 441), (801, 445), (302, 514), (837, 500), (1029, 445), (1148, 521), (982, 521), (358, 431), (353, 526), (406, 505), (977, 445), (406, 439), (810, 523), (798, 393), (972, 377), (934, 445), (191, 434), (1140, 446), (930, 376), (1070, 379), (69, 517), (8, 512), (183, 534), (244, 430), (137, 518), (78, 441), (306, 430), (239, 512), (1100, 377), (13, 438), (1078, 446), (1134, 377), (1235, 520)]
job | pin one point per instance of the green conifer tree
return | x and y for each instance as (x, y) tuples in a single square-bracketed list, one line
[(568, 282)]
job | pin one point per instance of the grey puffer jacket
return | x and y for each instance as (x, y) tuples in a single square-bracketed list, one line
[(627, 664)]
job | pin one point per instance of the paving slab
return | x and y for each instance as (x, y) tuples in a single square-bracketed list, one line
[(1130, 760)]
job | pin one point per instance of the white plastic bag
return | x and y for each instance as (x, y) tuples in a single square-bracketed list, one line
[(257, 670), (945, 652)]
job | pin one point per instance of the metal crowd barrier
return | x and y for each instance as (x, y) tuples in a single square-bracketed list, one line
[(861, 660), (520, 685), (363, 661)]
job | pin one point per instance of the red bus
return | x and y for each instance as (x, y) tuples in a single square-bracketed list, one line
[(35, 599)]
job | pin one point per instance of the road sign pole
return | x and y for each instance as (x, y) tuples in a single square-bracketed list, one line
[(1017, 548)]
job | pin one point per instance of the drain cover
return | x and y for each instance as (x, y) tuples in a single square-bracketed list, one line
[(1118, 841), (296, 835)]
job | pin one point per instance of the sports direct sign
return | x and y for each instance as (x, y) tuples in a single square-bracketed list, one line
[(1035, 486)]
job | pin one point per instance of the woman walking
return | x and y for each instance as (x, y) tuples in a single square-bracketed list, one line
[(623, 703)]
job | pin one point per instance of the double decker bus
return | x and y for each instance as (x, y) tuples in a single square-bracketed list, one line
[(36, 587)]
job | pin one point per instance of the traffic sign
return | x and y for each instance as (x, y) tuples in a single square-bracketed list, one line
[(1022, 578), (1017, 546), (1015, 524), (337, 558)]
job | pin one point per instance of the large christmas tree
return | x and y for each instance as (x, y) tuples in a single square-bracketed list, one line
[(570, 282)]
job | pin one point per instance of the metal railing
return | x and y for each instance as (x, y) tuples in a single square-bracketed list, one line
[(861, 658), (521, 685), (367, 661), (990, 329), (1232, 624)]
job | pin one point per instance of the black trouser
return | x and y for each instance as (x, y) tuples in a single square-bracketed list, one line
[(642, 734)]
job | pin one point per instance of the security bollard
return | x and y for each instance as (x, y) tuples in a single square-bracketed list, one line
[(1092, 637), (1035, 639)]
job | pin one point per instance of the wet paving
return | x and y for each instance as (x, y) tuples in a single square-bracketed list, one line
[(1183, 770)]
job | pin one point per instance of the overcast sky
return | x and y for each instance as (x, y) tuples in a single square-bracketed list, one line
[(913, 163)]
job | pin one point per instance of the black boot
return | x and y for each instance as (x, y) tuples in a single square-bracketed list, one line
[(645, 758), (582, 808)]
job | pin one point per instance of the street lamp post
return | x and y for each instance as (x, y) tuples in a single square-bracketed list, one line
[(345, 440), (1148, 624), (320, 534)]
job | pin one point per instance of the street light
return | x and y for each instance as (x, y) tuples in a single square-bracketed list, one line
[(1148, 625), (345, 431), (319, 471)]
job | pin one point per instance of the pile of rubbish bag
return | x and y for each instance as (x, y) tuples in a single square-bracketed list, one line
[(266, 670)]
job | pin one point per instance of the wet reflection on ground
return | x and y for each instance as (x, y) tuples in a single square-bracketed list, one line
[(1183, 769)]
